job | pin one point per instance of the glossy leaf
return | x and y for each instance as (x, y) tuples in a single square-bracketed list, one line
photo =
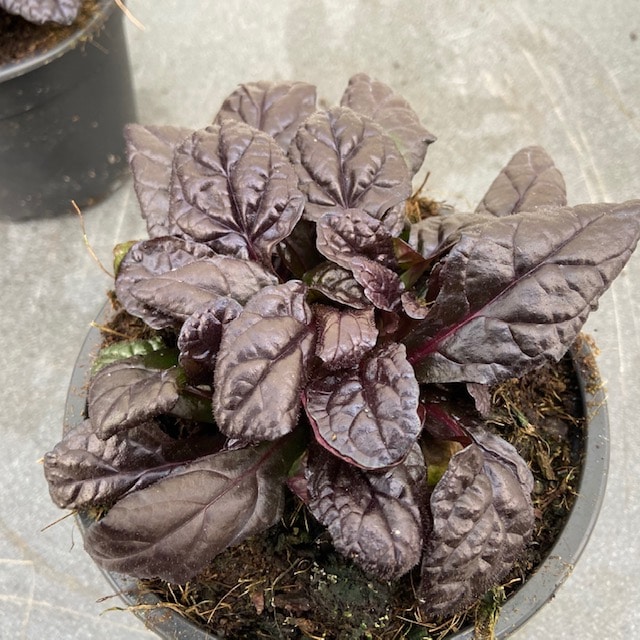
[(126, 349), (345, 160), (344, 337), (482, 519), (515, 293), (165, 280), (150, 152), (200, 337), (373, 518), (367, 415), (84, 471), (174, 528), (393, 113), (346, 233), (234, 189), (381, 286), (262, 364), (127, 393), (41, 11), (337, 284), (275, 108), (529, 181)]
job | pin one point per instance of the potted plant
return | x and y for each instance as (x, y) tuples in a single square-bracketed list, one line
[(312, 340), (65, 94)]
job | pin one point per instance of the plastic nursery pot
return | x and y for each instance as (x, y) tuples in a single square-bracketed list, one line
[(539, 588), (61, 117)]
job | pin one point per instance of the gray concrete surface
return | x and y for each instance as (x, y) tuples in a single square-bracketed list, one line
[(487, 78)]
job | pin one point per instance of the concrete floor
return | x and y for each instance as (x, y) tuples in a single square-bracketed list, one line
[(487, 78)]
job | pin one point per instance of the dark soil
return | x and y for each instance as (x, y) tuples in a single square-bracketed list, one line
[(290, 583), (20, 39)]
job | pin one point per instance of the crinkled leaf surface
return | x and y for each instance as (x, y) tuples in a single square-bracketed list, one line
[(516, 292), (275, 108), (200, 336), (165, 280), (84, 470), (393, 113), (482, 519), (338, 284), (367, 415), (346, 233), (174, 528), (262, 364), (126, 349), (530, 180), (150, 152), (344, 159), (127, 393), (234, 188), (41, 11), (373, 518), (381, 286), (344, 337)]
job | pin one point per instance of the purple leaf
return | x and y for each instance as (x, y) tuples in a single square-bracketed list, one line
[(200, 336), (165, 280), (338, 284), (515, 292), (84, 470), (392, 112), (344, 337), (127, 393), (234, 189), (346, 233), (530, 180), (367, 415), (150, 151), (482, 519), (381, 286), (373, 518), (275, 108), (262, 364), (174, 528), (345, 160), (41, 11)]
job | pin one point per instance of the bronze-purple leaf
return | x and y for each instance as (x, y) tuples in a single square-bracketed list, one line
[(514, 293), (150, 152), (41, 11), (165, 280), (345, 233), (262, 364), (234, 189), (338, 284), (381, 286), (344, 337), (393, 113), (83, 470), (200, 337), (373, 518), (277, 108), (529, 180), (127, 393), (345, 160), (173, 528), (482, 519), (367, 415)]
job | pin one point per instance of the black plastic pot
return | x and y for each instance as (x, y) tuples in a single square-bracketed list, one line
[(522, 605), (61, 117)]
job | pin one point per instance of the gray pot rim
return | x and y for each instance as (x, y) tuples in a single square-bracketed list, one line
[(519, 607), (36, 60)]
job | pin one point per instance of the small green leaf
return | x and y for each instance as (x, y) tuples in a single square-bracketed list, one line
[(119, 252), (127, 349)]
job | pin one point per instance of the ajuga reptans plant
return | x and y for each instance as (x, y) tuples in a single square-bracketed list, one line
[(317, 340), (43, 11)]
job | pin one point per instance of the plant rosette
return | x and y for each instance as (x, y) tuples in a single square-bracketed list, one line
[(309, 333), (66, 92)]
